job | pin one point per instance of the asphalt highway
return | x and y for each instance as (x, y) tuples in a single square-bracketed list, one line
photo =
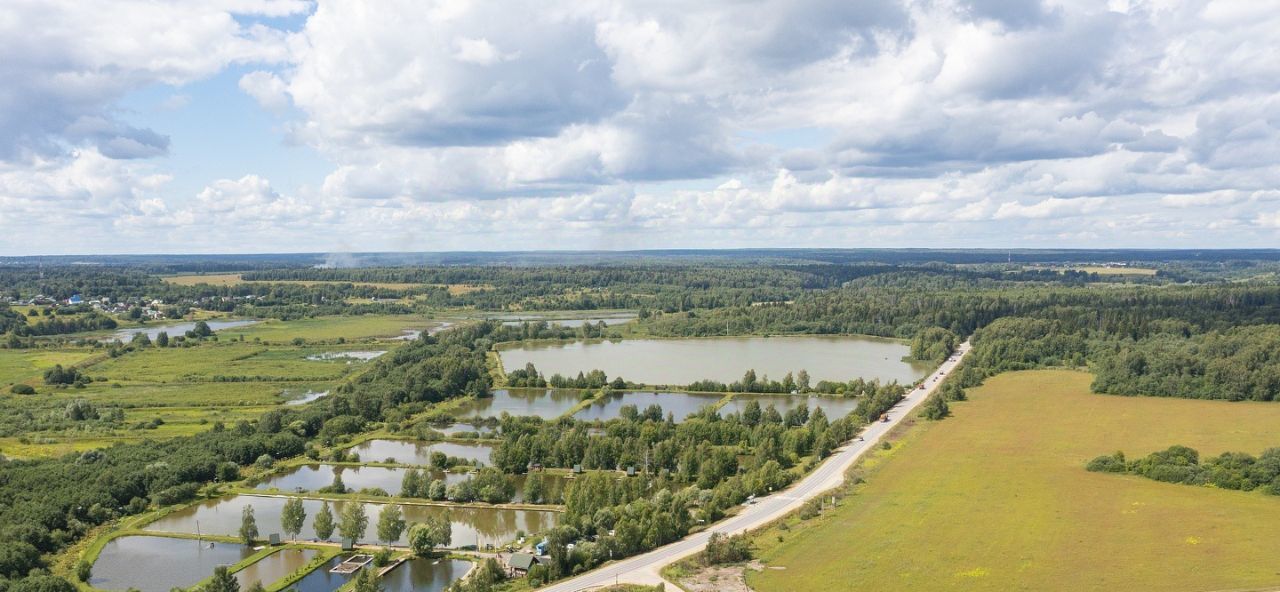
[(643, 569)]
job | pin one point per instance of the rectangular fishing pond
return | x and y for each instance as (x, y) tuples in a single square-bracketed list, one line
[(470, 525), (410, 452), (159, 564), (309, 478), (679, 362)]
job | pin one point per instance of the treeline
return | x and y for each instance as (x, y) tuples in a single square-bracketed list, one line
[(694, 470), (1180, 464), (1238, 364)]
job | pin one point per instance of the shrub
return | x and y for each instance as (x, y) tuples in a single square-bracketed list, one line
[(1110, 463), (22, 389)]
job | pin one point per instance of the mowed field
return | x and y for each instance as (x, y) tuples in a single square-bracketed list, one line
[(996, 498), (231, 279)]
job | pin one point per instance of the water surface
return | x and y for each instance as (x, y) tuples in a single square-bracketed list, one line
[(222, 517), (408, 452), (424, 575), (158, 564), (834, 407), (544, 403), (307, 397), (275, 566), (175, 329), (313, 477), (363, 356), (321, 580), (679, 405), (726, 359), (608, 320)]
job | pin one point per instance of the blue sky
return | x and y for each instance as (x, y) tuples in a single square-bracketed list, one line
[(292, 125)]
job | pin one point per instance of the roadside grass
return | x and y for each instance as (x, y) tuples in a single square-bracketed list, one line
[(331, 328), (997, 498)]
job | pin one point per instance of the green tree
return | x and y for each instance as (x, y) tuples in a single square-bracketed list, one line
[(248, 526), (222, 581), (162, 339), (935, 407), (390, 524), (366, 582), (323, 524), (354, 521), (292, 517), (424, 537)]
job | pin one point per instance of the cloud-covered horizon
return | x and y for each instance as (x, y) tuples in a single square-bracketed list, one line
[(617, 125)]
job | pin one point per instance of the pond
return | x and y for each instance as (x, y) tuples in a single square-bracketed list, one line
[(174, 329), (321, 579), (470, 525), (158, 564), (679, 405), (363, 356), (306, 397), (313, 477), (608, 320), (274, 567), (424, 575), (834, 407), (407, 452), (726, 359), (544, 403), (455, 429)]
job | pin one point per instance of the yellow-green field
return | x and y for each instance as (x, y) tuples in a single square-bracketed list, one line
[(17, 365), (997, 498), (272, 362), (231, 279), (330, 328)]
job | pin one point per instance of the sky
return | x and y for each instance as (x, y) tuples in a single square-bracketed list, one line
[(241, 126)]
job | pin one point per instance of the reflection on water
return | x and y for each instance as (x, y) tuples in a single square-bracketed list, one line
[(321, 579), (684, 361), (158, 564), (547, 404), (275, 566), (313, 477), (307, 397), (408, 452), (364, 356), (222, 517), (834, 407), (679, 405), (608, 320), (424, 575), (175, 329)]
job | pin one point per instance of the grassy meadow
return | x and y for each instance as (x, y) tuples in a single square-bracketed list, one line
[(330, 328), (997, 498)]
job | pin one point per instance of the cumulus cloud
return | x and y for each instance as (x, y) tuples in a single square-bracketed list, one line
[(622, 123)]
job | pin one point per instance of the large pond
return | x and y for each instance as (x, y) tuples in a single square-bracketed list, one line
[(274, 567), (313, 477), (424, 575), (607, 319), (159, 564), (679, 405), (834, 407), (408, 452), (547, 404), (470, 525), (174, 329), (726, 359)]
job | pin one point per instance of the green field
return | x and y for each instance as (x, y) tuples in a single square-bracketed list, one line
[(330, 328), (18, 365), (224, 359), (997, 498)]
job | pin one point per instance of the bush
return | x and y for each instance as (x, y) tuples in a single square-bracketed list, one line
[(723, 549), (22, 389), (1111, 463)]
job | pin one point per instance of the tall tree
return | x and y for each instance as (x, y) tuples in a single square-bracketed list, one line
[(354, 521), (323, 523), (248, 526), (390, 524), (292, 517)]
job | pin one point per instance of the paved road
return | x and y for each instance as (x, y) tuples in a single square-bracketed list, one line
[(643, 569)]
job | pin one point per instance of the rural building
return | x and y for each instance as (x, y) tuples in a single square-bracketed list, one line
[(519, 564)]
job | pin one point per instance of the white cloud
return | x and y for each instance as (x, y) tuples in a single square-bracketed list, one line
[(622, 124)]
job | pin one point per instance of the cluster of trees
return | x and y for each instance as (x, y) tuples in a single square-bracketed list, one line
[(1180, 464), (934, 344), (723, 549), (487, 485), (1242, 363), (57, 375)]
